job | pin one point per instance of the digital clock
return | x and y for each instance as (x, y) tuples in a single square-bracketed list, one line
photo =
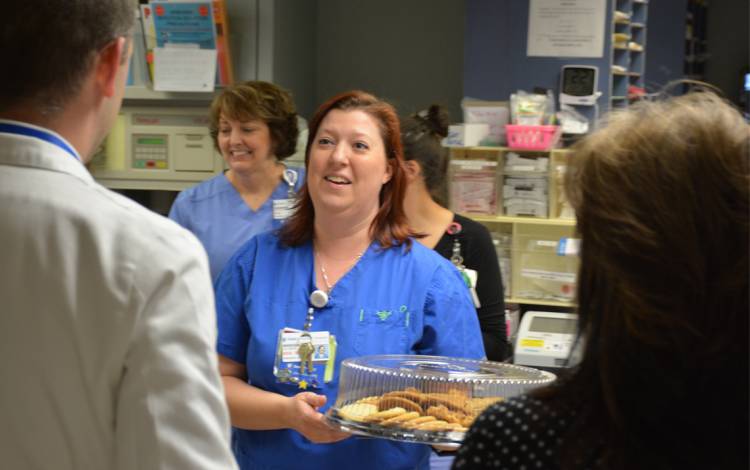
[(578, 85)]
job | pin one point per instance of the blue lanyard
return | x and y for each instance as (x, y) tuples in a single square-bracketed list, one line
[(39, 134)]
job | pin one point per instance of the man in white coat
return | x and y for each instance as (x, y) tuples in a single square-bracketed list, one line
[(107, 323)]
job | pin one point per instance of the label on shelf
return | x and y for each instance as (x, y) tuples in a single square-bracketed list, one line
[(569, 247), (473, 164), (549, 275)]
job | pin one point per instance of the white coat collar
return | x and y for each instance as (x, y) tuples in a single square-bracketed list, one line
[(22, 150)]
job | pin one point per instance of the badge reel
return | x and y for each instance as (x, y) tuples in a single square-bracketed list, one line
[(283, 208), (306, 358), (469, 276)]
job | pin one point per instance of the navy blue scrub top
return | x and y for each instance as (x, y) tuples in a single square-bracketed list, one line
[(391, 302)]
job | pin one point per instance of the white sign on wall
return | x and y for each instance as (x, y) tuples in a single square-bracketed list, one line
[(566, 28)]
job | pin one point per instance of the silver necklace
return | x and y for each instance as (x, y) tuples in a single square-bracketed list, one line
[(324, 274), (318, 298)]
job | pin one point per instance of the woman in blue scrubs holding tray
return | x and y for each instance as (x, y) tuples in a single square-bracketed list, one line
[(254, 126), (342, 273)]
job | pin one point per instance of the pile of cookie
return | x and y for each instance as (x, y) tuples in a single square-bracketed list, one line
[(411, 409)]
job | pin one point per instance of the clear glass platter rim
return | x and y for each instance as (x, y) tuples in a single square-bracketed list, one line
[(450, 439)]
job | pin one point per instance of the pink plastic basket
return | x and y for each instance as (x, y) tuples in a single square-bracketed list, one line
[(532, 137)]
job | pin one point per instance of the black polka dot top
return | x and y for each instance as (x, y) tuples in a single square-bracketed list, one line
[(522, 433)]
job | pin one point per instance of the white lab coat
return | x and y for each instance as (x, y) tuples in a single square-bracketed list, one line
[(107, 326)]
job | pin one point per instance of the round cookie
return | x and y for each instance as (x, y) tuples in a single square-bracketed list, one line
[(357, 411)]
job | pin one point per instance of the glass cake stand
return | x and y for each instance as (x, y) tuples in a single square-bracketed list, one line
[(425, 399)]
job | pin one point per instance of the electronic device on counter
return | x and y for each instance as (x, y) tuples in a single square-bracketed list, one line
[(164, 148), (578, 85), (545, 339)]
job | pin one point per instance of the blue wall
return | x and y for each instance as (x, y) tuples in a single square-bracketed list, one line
[(495, 61), (665, 42)]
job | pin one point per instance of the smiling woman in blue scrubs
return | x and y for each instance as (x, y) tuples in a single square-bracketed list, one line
[(385, 295), (254, 126)]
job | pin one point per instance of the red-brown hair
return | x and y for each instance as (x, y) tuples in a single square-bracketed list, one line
[(389, 227)]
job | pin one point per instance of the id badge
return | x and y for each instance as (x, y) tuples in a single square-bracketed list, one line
[(304, 358), (282, 208)]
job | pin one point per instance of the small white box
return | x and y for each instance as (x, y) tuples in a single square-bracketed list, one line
[(466, 135), (495, 113)]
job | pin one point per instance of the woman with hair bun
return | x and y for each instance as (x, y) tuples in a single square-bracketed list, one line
[(465, 242)]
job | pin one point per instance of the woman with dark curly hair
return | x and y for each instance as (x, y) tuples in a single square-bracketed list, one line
[(254, 127)]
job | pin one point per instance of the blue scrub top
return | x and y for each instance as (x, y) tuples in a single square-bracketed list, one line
[(216, 213), (391, 302)]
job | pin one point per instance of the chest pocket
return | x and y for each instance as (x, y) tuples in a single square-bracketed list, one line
[(383, 331)]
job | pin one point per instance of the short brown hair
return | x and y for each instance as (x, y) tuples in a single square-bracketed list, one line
[(389, 227), (662, 198), (47, 47), (264, 101)]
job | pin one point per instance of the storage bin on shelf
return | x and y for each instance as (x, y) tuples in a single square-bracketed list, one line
[(539, 272), (525, 185), (474, 186), (525, 137), (503, 243)]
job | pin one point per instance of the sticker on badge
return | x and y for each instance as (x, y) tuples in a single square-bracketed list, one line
[(282, 208), (304, 358), (296, 345)]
